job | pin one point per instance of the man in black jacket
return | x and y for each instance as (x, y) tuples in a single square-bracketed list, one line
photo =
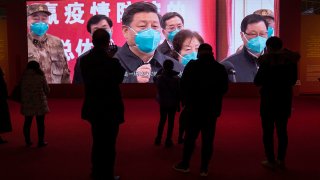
[(103, 105), (276, 76), (203, 84), (98, 21)]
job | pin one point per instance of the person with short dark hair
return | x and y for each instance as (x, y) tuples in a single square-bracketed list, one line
[(268, 15), (276, 77), (254, 35), (5, 121), (168, 97), (185, 46), (171, 23), (139, 55), (203, 84), (95, 22), (103, 106), (34, 91)]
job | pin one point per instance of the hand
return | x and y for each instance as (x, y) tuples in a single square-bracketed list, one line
[(143, 73)]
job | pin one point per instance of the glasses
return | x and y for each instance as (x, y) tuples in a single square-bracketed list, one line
[(254, 34), (172, 28)]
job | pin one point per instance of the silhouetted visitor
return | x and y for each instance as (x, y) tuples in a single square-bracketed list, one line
[(168, 97), (276, 76), (5, 122), (203, 84), (103, 106), (34, 91)]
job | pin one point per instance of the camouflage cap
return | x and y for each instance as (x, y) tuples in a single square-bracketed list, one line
[(265, 12), (33, 8)]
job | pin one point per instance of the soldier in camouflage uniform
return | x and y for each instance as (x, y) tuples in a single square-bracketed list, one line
[(45, 48)]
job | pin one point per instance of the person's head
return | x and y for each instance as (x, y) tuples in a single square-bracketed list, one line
[(100, 38), (274, 44), (254, 33), (99, 21), (205, 51), (171, 23), (168, 65), (38, 19), (186, 44), (268, 15), (35, 66), (141, 27)]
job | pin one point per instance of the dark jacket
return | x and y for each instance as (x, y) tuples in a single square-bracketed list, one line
[(244, 64), (77, 78), (168, 87), (203, 83), (34, 91), (165, 49), (130, 62), (101, 76), (276, 76), (5, 122)]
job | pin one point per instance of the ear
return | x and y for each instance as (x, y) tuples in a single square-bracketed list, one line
[(111, 29), (242, 35), (125, 32)]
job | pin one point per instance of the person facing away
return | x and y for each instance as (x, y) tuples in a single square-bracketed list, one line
[(103, 106), (203, 84), (168, 97), (98, 21), (254, 35), (171, 23), (45, 48), (34, 91), (5, 122), (139, 55), (276, 77)]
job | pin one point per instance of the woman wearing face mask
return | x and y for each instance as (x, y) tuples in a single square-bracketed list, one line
[(185, 45)]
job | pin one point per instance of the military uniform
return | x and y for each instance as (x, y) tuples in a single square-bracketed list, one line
[(265, 13), (50, 55), (48, 51)]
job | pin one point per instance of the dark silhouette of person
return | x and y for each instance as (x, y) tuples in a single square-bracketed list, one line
[(5, 122), (103, 106), (34, 91), (203, 84), (168, 97), (276, 76), (95, 22)]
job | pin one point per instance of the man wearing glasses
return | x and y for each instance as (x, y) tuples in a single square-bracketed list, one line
[(244, 64), (171, 23)]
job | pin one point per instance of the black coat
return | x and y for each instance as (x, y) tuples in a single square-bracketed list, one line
[(276, 76), (101, 76), (165, 49), (5, 122), (203, 84), (168, 89)]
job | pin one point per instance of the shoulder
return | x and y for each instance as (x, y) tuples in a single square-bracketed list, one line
[(53, 39), (232, 58)]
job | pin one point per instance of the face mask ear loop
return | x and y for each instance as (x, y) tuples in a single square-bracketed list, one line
[(245, 36)]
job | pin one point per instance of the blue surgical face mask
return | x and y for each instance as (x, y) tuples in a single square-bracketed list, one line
[(270, 31), (147, 40), (172, 34), (39, 28), (110, 33), (257, 44), (187, 57)]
